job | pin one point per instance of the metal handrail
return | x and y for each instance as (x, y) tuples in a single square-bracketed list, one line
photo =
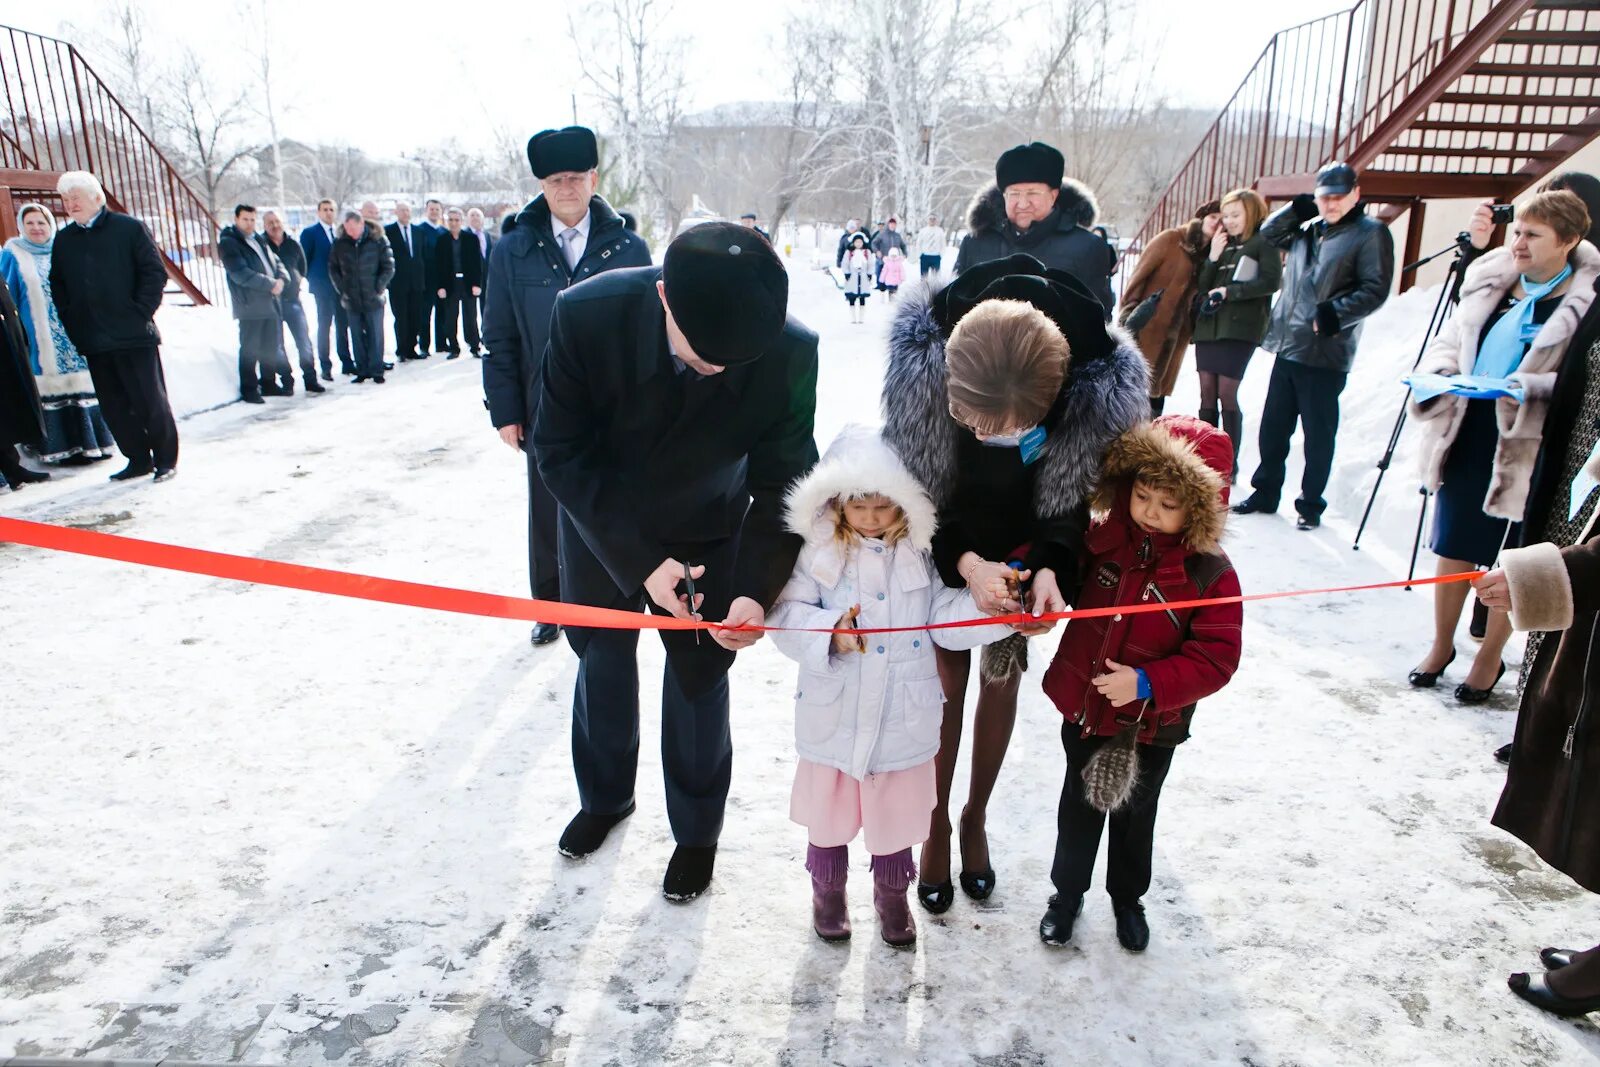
[(57, 114)]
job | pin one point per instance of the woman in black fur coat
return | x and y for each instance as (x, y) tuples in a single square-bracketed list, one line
[(1011, 477)]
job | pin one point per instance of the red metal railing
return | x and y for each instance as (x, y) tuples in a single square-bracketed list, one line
[(59, 115), (1341, 86)]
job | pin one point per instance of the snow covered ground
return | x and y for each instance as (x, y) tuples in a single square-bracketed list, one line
[(244, 824)]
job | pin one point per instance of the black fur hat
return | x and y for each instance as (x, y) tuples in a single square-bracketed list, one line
[(559, 151), (1036, 162), (1061, 296), (728, 291)]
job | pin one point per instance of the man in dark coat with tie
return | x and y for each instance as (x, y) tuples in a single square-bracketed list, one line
[(431, 228), (531, 264), (676, 409), (316, 240), (408, 293), (458, 264)]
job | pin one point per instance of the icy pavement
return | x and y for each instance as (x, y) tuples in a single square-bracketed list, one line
[(244, 824)]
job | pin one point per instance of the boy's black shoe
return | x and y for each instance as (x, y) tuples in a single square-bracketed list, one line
[(1132, 929), (1253, 505), (1059, 916), (688, 872), (587, 832), (1308, 522)]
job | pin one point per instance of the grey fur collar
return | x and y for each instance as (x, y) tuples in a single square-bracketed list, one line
[(1101, 399), (1076, 204)]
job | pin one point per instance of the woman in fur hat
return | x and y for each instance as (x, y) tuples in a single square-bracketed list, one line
[(1002, 394), (1127, 684), (1158, 298), (867, 709)]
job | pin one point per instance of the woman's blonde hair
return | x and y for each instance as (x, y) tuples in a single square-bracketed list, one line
[(1561, 210), (846, 535), (1255, 209), (1005, 363)]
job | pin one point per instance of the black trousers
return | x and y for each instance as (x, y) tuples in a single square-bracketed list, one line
[(696, 743), (331, 316), (458, 303), (1309, 395), (410, 309), (259, 341), (544, 576), (929, 264), (133, 398), (1133, 826)]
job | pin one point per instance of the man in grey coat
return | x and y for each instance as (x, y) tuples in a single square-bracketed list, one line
[(1339, 269), (254, 283)]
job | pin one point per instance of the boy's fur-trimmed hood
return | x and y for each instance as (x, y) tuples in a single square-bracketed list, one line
[(1076, 205), (1189, 458), (858, 462)]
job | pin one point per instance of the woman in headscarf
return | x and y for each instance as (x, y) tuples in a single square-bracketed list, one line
[(75, 431)]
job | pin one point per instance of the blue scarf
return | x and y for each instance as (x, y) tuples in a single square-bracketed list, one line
[(1507, 342)]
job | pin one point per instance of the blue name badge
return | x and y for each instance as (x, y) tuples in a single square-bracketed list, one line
[(1031, 444)]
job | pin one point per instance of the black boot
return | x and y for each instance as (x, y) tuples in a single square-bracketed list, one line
[(13, 470), (689, 872), (1059, 916), (1132, 929), (1207, 416), (587, 832), (1233, 426)]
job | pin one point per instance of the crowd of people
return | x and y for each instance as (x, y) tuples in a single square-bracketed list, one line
[(1025, 464)]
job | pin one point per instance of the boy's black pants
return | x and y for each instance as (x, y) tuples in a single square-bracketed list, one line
[(1133, 826)]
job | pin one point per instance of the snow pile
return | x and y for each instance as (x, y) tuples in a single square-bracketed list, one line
[(200, 354)]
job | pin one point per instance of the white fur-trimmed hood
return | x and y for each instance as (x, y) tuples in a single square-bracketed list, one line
[(858, 462)]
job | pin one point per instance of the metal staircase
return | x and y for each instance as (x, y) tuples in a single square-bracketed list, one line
[(58, 115)]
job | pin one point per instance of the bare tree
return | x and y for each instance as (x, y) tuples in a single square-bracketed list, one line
[(341, 173), (265, 100), (205, 118)]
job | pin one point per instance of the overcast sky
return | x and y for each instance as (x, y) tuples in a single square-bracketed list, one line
[(391, 75)]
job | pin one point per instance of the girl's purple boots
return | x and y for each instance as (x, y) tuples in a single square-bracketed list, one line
[(891, 877), (830, 914)]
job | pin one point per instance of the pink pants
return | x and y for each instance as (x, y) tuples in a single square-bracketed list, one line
[(894, 808)]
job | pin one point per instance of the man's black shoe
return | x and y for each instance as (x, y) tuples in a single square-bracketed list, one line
[(166, 474), (1059, 916), (314, 386), (587, 832), (544, 633), (1308, 522), (688, 873), (251, 398), (377, 380), (1132, 929), (1503, 754), (132, 471), (327, 375), (1252, 505), (387, 365)]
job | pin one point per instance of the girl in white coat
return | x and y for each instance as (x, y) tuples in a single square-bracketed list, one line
[(868, 708)]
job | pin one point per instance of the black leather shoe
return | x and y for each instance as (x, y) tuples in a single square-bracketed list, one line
[(251, 398), (1429, 679), (1468, 695), (1535, 989), (377, 379), (1059, 916), (544, 633), (1308, 522), (688, 872), (314, 386), (1556, 958), (358, 379), (387, 365), (1132, 929), (1251, 505), (130, 472), (1503, 754), (327, 375), (587, 832), (936, 899), (165, 474)]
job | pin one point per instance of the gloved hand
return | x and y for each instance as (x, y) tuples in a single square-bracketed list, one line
[(1305, 207)]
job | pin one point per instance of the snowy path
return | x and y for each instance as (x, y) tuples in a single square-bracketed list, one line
[(253, 825)]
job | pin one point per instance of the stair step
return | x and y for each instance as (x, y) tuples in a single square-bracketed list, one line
[(1474, 153), (1521, 99), (1564, 38), (1468, 126), (1535, 70)]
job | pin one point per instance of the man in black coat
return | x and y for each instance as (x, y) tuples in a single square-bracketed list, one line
[(408, 292), (1032, 207), (431, 228), (360, 267), (293, 260), (566, 234), (253, 288), (106, 278), (21, 417), (676, 409), (458, 265)]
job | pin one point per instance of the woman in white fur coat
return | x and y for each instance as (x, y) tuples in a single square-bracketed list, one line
[(1520, 307), (868, 709)]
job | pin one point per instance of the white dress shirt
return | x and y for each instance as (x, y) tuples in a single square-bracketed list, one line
[(573, 246)]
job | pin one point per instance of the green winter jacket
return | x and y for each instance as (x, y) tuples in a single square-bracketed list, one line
[(1244, 314)]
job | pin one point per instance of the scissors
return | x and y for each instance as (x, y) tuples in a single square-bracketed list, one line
[(689, 581)]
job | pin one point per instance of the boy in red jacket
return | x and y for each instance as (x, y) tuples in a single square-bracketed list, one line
[(1127, 684)]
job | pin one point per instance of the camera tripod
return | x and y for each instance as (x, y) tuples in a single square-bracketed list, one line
[(1449, 295)]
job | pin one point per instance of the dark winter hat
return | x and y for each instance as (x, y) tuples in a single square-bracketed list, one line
[(1036, 162), (1061, 296), (559, 151), (1210, 207), (727, 290), (1336, 179), (751, 215)]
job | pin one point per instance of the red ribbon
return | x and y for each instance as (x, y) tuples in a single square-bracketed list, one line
[(467, 602)]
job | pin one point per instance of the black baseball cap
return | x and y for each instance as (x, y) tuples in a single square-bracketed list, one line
[(1336, 179)]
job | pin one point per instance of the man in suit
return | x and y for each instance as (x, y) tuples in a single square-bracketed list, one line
[(486, 242), (566, 234), (316, 240), (408, 294), (431, 229), (458, 265), (676, 409)]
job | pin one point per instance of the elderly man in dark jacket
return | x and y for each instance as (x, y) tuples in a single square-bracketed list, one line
[(1339, 268), (531, 264), (1032, 207), (254, 283), (293, 259), (360, 267), (676, 409), (106, 278)]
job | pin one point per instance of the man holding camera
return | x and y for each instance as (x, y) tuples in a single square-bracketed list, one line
[(1338, 270)]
